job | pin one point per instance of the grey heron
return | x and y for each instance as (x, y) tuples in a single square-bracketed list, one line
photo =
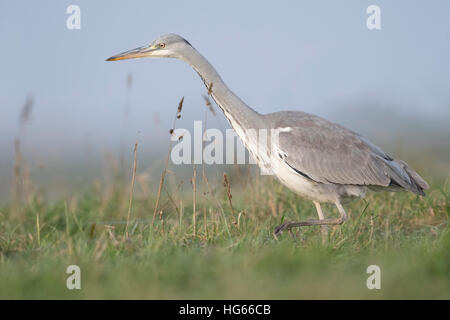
[(317, 159)]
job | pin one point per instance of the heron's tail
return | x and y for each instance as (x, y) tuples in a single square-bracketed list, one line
[(407, 178)]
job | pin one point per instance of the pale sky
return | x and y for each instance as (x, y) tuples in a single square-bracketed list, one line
[(276, 55)]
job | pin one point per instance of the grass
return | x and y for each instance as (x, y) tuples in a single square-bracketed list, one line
[(218, 254), (196, 238)]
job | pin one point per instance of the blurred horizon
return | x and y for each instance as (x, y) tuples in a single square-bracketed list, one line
[(317, 57)]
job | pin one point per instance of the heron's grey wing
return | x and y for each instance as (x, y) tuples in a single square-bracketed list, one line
[(329, 153)]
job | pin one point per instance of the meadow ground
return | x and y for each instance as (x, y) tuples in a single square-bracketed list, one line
[(226, 250)]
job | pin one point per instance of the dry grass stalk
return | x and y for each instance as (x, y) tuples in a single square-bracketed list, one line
[(172, 201), (210, 89), (100, 248), (194, 184), (17, 182), (110, 230), (204, 178), (222, 212), (226, 184), (133, 178), (239, 219), (38, 230), (158, 196), (25, 114), (181, 213), (163, 173), (205, 222), (129, 81), (161, 220), (209, 105), (180, 107), (22, 186), (207, 101)]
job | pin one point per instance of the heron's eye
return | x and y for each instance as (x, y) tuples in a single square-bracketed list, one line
[(162, 45)]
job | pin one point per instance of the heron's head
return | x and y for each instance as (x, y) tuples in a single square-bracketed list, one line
[(167, 46)]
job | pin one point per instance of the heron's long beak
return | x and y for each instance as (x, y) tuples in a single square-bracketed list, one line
[(132, 54)]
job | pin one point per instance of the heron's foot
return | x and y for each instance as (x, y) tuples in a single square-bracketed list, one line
[(321, 222), (291, 224), (280, 228)]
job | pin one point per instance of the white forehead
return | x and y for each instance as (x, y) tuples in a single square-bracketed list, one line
[(170, 39)]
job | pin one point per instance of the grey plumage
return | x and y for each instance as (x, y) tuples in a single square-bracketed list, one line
[(314, 157), (327, 152)]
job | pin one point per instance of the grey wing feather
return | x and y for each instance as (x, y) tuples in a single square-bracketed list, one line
[(329, 153)]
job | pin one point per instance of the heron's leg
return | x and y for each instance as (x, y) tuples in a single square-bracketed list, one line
[(323, 222), (323, 228)]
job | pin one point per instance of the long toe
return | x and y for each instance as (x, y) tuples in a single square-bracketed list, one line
[(280, 228)]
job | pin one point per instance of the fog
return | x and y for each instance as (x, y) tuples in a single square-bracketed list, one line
[(313, 56)]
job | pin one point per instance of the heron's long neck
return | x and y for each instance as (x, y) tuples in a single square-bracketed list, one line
[(240, 115)]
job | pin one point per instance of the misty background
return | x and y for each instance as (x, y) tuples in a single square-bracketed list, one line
[(391, 85)]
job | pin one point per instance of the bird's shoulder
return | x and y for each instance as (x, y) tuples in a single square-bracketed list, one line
[(306, 130), (326, 151)]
